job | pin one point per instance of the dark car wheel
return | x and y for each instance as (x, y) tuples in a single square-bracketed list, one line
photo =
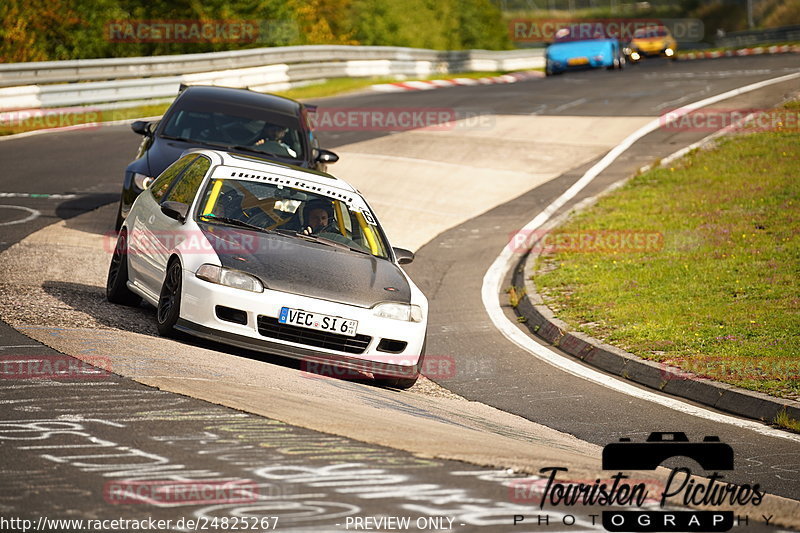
[(404, 382), (169, 302), (120, 220), (117, 290), (398, 383)]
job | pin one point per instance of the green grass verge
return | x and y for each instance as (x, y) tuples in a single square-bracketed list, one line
[(721, 298), (332, 87)]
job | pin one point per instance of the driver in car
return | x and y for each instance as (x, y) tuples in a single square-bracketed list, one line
[(273, 133), (317, 216)]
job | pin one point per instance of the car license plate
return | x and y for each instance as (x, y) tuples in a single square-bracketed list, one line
[(305, 319), (578, 61)]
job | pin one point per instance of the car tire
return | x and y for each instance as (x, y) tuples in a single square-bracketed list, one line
[(169, 301), (397, 383), (402, 383), (117, 290), (120, 220)]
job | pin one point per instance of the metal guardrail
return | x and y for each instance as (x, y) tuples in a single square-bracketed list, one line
[(103, 81), (754, 37)]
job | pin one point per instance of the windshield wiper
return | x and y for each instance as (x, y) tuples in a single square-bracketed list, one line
[(197, 141), (235, 222), (254, 150), (172, 138)]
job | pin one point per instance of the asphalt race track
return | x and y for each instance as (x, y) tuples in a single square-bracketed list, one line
[(455, 197)]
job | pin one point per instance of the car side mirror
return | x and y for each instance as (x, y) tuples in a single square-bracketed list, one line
[(326, 156), (175, 210), (142, 127), (403, 256)]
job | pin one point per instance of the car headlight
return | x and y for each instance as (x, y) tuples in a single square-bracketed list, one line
[(398, 311), (142, 181), (229, 278), (668, 52)]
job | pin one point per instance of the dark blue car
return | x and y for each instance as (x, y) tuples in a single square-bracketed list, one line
[(222, 118), (573, 50)]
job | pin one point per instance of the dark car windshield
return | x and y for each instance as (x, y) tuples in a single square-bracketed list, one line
[(216, 128)]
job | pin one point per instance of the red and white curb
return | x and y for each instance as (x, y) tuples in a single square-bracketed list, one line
[(455, 82), (759, 50)]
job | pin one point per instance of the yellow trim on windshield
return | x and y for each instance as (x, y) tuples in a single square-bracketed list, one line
[(367, 229), (212, 199)]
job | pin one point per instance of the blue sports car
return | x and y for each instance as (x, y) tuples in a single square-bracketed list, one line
[(578, 50)]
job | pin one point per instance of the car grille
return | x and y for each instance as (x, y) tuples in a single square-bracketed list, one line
[(270, 327)]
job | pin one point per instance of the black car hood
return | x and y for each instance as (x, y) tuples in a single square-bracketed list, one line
[(164, 152), (290, 264)]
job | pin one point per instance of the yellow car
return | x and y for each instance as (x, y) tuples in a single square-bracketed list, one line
[(652, 41)]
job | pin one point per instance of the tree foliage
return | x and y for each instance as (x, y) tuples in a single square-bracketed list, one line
[(39, 30)]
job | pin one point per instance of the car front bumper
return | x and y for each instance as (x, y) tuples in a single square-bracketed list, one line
[(199, 316)]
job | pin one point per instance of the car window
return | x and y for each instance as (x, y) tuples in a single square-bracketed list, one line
[(643, 33), (186, 186), (163, 182)]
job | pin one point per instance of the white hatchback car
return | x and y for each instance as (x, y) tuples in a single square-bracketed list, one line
[(275, 258)]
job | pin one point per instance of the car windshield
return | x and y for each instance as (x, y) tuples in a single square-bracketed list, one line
[(231, 131), (292, 212), (580, 33)]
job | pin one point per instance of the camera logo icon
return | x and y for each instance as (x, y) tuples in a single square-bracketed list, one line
[(711, 453)]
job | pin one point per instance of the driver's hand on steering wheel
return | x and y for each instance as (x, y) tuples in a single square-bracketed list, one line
[(327, 228)]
